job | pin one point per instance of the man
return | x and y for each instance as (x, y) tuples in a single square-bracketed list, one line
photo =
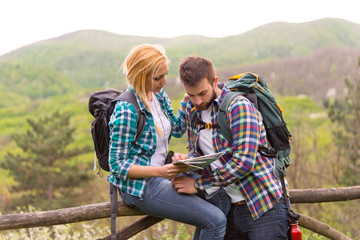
[(258, 210)]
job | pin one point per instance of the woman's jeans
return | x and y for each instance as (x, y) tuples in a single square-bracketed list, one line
[(273, 225), (219, 199), (161, 200)]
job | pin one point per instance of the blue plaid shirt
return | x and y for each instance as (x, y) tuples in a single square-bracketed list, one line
[(241, 162), (123, 152)]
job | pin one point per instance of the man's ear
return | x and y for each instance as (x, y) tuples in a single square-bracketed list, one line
[(215, 82)]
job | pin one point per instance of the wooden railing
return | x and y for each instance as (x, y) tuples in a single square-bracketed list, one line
[(102, 210)]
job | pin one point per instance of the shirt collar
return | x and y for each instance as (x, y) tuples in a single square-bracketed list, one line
[(224, 91)]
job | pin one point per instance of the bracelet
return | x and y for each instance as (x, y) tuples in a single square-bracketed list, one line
[(183, 104)]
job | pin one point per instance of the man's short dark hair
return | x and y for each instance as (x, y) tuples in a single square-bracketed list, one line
[(193, 70)]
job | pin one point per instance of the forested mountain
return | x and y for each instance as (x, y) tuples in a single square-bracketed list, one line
[(319, 75), (92, 59)]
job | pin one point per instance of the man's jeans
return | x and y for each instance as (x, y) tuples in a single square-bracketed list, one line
[(162, 200), (219, 198), (273, 225)]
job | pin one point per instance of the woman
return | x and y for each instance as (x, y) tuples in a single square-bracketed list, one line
[(137, 168)]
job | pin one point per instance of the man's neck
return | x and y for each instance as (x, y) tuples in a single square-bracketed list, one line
[(206, 109), (218, 92)]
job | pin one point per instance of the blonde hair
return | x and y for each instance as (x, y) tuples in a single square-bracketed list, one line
[(142, 61)]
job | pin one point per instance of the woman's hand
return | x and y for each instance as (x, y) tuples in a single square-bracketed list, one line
[(186, 98), (184, 102), (171, 170), (179, 156), (165, 171)]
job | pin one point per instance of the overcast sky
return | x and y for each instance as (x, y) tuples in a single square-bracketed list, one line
[(24, 22)]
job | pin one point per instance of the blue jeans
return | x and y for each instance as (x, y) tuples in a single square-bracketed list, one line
[(273, 225), (162, 200), (219, 199)]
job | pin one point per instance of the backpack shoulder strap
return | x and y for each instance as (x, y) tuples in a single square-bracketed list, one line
[(192, 116), (224, 126), (229, 97), (193, 121), (131, 98)]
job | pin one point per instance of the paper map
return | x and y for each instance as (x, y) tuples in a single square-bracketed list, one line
[(199, 162)]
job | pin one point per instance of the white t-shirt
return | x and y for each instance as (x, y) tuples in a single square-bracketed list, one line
[(206, 146), (161, 141)]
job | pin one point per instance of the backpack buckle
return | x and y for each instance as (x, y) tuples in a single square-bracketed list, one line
[(268, 152)]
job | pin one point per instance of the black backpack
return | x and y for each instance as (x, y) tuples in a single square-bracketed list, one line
[(101, 106)]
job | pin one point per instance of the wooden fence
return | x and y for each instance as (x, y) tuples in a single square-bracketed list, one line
[(102, 210)]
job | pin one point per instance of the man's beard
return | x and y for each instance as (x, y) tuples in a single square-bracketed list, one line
[(205, 105)]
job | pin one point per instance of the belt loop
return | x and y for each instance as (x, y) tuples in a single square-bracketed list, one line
[(239, 203)]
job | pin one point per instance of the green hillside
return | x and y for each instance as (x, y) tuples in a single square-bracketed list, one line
[(319, 75), (21, 80), (93, 58), (279, 40)]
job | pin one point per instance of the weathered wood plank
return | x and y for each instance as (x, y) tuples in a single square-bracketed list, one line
[(102, 210), (321, 228), (318, 195), (63, 216)]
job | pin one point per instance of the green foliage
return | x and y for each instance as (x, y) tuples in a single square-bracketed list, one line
[(181, 232), (47, 171), (347, 135), (33, 81), (302, 110), (178, 144), (308, 235)]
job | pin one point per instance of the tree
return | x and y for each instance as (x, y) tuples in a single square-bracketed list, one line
[(46, 171), (347, 135)]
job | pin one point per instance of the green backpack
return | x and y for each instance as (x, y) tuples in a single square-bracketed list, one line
[(254, 88)]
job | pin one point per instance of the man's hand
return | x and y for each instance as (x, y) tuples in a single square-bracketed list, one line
[(184, 184)]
